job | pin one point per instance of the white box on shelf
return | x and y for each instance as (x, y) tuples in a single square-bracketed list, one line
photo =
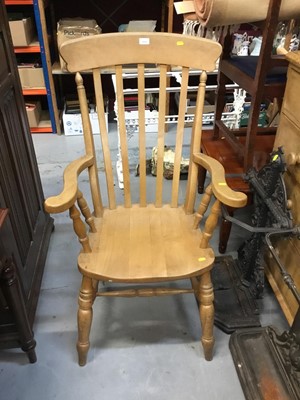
[(151, 119), (73, 123)]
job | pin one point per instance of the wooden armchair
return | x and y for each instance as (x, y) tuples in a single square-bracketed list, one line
[(137, 242)]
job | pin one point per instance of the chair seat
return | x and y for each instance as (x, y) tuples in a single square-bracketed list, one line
[(145, 244), (221, 150)]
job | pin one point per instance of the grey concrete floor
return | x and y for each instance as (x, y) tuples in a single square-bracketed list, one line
[(146, 348)]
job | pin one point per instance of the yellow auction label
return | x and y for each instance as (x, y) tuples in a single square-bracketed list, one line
[(180, 43), (201, 259)]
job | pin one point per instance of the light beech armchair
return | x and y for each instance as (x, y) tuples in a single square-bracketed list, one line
[(138, 242)]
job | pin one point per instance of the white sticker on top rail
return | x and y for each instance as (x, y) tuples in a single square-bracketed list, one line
[(144, 41)]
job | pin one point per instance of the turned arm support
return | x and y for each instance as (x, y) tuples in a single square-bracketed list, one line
[(218, 182), (68, 196)]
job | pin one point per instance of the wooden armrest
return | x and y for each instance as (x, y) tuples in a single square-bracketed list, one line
[(68, 196), (218, 181)]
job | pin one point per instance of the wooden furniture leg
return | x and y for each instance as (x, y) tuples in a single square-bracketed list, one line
[(13, 295), (206, 310), (225, 229), (85, 316)]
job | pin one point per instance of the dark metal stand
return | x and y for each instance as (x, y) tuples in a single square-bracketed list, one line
[(270, 214), (237, 287), (235, 307)]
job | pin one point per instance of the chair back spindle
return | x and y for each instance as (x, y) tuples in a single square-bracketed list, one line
[(123, 135), (195, 145), (104, 138), (142, 135), (179, 135), (89, 146), (161, 134)]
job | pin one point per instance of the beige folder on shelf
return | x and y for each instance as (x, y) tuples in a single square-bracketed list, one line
[(231, 12)]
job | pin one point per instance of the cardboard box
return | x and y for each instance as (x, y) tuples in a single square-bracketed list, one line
[(141, 26), (208, 119), (73, 123), (22, 31), (33, 110), (31, 77), (74, 28)]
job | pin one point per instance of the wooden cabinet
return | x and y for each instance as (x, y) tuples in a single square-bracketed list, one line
[(288, 136), (26, 231), (288, 133), (12, 302)]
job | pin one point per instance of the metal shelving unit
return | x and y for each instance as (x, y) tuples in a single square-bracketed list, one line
[(50, 122)]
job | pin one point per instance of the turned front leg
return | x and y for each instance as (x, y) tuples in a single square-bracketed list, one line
[(206, 310), (84, 318)]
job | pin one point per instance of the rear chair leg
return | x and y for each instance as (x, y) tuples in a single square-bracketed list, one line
[(206, 310), (84, 318)]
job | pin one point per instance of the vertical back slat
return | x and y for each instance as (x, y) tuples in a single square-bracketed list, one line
[(195, 145), (161, 133), (123, 135), (89, 146), (179, 135), (104, 138), (142, 138)]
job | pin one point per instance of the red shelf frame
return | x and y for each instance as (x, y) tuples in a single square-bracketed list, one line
[(34, 92), (41, 130), (18, 2), (27, 49)]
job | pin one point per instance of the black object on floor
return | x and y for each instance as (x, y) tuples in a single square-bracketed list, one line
[(267, 363), (235, 306)]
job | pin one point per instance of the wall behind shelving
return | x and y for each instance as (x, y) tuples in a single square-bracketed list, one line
[(111, 13)]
